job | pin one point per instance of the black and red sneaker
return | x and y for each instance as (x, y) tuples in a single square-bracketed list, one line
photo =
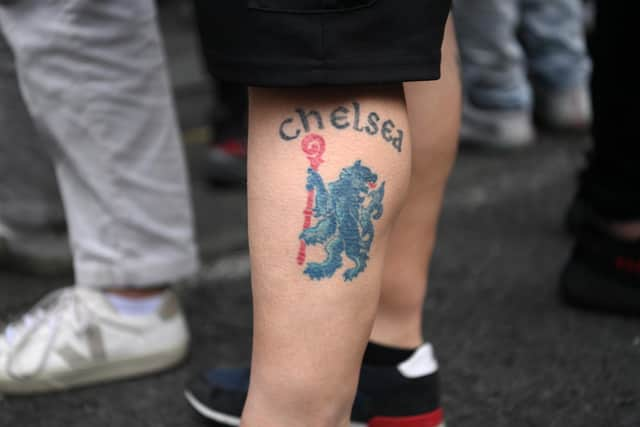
[(603, 272), (402, 395), (227, 162), (581, 215)]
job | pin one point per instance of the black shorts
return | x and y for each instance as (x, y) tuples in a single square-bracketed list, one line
[(281, 43)]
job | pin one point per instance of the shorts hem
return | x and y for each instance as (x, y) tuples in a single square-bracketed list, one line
[(278, 75)]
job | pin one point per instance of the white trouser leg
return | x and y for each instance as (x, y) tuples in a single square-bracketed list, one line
[(28, 189), (93, 76)]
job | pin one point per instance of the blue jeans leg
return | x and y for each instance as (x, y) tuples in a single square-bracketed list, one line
[(553, 34), (493, 61)]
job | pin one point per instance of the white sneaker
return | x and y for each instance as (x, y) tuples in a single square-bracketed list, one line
[(74, 337), (568, 110), (496, 128)]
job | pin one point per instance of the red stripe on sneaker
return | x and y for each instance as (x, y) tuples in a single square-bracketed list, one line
[(431, 419)]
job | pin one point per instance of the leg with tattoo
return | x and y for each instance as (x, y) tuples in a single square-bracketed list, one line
[(329, 165), (325, 188), (398, 383)]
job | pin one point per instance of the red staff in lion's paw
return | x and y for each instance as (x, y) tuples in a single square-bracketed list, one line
[(313, 146)]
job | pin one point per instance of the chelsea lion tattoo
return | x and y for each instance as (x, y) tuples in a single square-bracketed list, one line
[(344, 212)]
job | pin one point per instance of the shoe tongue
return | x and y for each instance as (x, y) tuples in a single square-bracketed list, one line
[(36, 314)]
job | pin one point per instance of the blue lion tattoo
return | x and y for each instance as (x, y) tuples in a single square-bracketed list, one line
[(345, 221)]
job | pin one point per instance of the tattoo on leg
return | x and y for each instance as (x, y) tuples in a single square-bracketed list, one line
[(344, 212), (342, 118)]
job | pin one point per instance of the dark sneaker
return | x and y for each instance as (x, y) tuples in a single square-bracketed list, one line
[(581, 215), (603, 273), (219, 394), (228, 162), (405, 395)]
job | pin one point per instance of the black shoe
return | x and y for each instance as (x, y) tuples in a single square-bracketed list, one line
[(404, 395), (227, 162), (603, 273), (580, 215)]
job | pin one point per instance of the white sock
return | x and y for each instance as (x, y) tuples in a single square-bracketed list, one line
[(135, 306)]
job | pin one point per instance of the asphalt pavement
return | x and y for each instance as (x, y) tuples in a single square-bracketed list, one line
[(511, 353)]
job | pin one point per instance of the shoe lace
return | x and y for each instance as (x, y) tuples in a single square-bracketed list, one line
[(49, 311)]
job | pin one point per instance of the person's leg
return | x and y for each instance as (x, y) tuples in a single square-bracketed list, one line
[(604, 269), (117, 155), (227, 156), (337, 161), (553, 33), (387, 395), (493, 62), (228, 151), (28, 192), (329, 169), (610, 181), (93, 77), (497, 95), (434, 115), (31, 213)]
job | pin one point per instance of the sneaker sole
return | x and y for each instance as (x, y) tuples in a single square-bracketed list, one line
[(108, 372), (583, 287), (202, 409), (230, 420)]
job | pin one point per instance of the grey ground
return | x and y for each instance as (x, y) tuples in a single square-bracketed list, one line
[(511, 353)]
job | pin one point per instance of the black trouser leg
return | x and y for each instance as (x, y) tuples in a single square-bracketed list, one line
[(232, 122), (611, 182)]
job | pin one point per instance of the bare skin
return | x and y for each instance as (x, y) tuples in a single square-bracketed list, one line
[(434, 114), (312, 324), (309, 335), (136, 293), (626, 230)]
